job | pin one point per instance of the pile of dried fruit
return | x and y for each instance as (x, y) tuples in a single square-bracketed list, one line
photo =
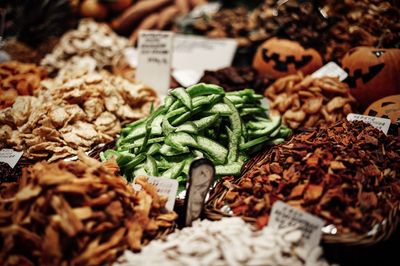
[(235, 79), (18, 79), (93, 42), (79, 113), (152, 15), (347, 174), (199, 121), (229, 241), (331, 27), (308, 102), (77, 213)]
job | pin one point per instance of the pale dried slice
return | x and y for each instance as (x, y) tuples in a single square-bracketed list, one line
[(312, 105), (336, 103)]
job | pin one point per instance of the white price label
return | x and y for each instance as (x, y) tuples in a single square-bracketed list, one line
[(331, 69), (283, 215), (10, 156), (377, 122), (196, 54), (165, 187), (154, 59), (208, 9)]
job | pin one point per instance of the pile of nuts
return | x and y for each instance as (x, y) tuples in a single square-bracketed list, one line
[(77, 213), (229, 241), (95, 42), (18, 79), (347, 174), (309, 102), (235, 79), (76, 113)]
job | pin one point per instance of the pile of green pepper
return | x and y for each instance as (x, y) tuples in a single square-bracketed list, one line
[(200, 121)]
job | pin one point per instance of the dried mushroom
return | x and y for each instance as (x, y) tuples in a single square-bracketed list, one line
[(92, 46), (18, 78), (76, 213), (347, 174), (306, 102), (73, 113)]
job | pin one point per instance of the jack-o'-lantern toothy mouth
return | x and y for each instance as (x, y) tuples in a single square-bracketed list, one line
[(351, 80), (282, 66)]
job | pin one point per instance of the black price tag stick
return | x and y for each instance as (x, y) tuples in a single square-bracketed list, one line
[(201, 176)]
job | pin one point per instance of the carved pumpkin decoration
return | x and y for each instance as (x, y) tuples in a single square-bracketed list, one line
[(276, 58), (373, 73), (388, 107)]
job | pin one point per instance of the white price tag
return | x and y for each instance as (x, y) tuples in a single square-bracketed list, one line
[(331, 69), (197, 54), (283, 215), (165, 187), (377, 122), (187, 77), (10, 156), (154, 59), (208, 9)]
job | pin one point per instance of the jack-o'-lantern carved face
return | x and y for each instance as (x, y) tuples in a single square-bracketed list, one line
[(388, 107), (277, 58), (373, 73)]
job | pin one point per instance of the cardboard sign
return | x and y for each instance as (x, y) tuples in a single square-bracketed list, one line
[(165, 187), (154, 59), (377, 122), (283, 215), (196, 54), (10, 156), (331, 69)]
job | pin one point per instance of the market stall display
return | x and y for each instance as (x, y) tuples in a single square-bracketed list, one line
[(346, 174), (306, 102), (77, 213), (17, 78), (229, 241), (81, 96), (93, 46), (200, 121), (73, 114)]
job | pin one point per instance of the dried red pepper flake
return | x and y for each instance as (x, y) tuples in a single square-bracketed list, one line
[(346, 173)]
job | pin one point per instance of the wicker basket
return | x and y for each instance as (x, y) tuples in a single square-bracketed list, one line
[(379, 233)]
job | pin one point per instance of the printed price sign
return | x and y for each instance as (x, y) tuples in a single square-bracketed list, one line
[(165, 187), (283, 215), (377, 122), (331, 69), (10, 156), (154, 59)]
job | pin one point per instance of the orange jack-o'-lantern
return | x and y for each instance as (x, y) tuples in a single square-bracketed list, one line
[(277, 58), (373, 73), (388, 107)]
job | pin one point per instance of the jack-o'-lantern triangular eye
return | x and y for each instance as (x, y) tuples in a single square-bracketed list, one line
[(386, 104), (378, 53)]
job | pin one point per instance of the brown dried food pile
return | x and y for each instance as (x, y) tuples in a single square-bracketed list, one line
[(74, 113), (308, 102), (347, 174), (331, 27), (17, 78), (234, 79), (77, 213), (92, 46), (8, 174)]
